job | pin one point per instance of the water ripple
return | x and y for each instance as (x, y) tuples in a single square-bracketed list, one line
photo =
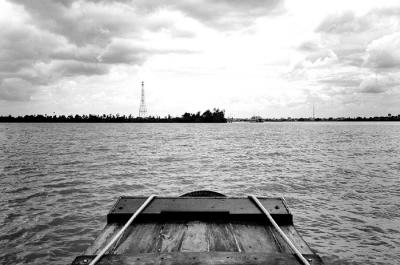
[(58, 181)]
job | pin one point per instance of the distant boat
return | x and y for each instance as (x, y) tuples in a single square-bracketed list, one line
[(256, 119), (202, 228)]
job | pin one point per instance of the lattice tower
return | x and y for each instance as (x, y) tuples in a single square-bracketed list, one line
[(142, 108)]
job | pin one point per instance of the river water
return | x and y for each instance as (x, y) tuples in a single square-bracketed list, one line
[(341, 180)]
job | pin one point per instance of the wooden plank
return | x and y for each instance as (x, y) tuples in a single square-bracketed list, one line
[(186, 208), (140, 238), (208, 258), (214, 204), (102, 239), (195, 239), (172, 235), (254, 237), (221, 238)]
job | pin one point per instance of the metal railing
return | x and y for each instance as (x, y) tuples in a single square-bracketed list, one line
[(120, 232), (282, 234)]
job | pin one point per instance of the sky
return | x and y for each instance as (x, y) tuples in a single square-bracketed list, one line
[(272, 58)]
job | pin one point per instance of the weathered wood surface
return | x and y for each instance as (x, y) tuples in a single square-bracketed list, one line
[(200, 258), (195, 239), (143, 238), (172, 236), (196, 236), (102, 239), (185, 208), (175, 232), (253, 237), (221, 237)]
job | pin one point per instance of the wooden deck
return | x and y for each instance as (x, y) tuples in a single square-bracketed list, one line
[(199, 231)]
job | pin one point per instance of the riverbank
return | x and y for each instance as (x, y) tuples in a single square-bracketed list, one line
[(214, 116)]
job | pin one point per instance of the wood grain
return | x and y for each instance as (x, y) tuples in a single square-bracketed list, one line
[(209, 258), (220, 237), (254, 238), (172, 235), (195, 239), (102, 239), (140, 238)]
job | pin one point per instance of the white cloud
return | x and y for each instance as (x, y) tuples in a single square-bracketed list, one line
[(384, 53), (344, 23)]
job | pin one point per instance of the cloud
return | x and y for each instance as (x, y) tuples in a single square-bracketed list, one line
[(122, 52), (31, 57), (349, 35), (53, 40), (88, 53), (83, 22), (97, 22), (228, 14), (16, 89), (384, 53), (376, 85), (341, 80), (321, 57), (309, 46), (75, 68), (23, 45), (347, 49), (22, 48), (344, 23), (58, 39), (316, 59)]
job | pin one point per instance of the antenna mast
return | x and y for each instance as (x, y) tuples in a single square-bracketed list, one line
[(142, 108), (313, 111)]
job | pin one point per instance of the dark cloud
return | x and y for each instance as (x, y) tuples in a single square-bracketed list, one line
[(22, 46), (75, 68), (124, 52), (22, 49), (82, 22), (96, 22), (16, 89), (309, 46), (87, 54), (373, 89), (376, 85), (60, 39), (228, 13)]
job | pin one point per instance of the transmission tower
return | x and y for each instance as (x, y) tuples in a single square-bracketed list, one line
[(142, 108), (313, 111)]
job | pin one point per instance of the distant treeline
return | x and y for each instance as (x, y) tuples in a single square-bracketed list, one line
[(216, 116), (376, 118)]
